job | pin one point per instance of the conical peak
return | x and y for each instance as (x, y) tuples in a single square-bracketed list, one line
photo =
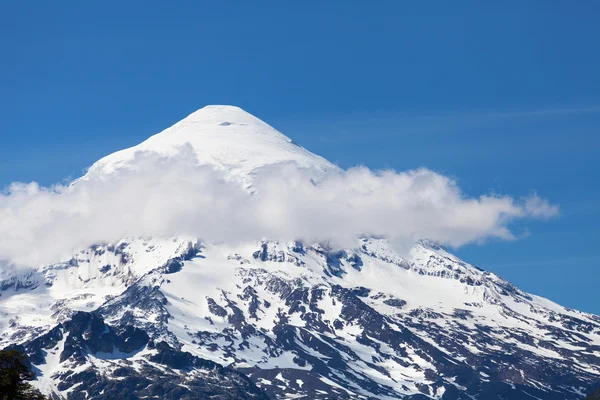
[(222, 107), (231, 114), (223, 136), (225, 108), (215, 117)]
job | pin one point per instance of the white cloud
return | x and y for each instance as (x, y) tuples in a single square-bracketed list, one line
[(537, 207), (165, 197)]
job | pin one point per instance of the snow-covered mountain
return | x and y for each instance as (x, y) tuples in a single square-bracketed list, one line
[(181, 318), (225, 137)]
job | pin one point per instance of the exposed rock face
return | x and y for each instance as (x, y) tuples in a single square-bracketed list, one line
[(84, 358), (594, 396), (288, 319)]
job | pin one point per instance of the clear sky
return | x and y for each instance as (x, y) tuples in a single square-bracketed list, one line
[(502, 96)]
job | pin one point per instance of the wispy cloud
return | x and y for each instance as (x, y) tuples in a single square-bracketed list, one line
[(514, 113), (382, 124), (164, 197), (537, 112), (549, 263)]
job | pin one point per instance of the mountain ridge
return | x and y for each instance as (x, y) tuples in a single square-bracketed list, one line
[(269, 308), (299, 319)]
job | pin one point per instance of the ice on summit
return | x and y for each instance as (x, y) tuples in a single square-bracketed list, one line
[(225, 137)]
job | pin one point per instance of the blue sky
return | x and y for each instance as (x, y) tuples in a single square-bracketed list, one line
[(504, 97)]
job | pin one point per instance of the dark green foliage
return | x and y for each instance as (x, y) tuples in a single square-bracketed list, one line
[(14, 374), (594, 396)]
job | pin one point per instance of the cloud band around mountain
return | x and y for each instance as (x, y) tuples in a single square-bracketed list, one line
[(174, 196)]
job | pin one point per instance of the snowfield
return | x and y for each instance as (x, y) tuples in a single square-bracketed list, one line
[(183, 317)]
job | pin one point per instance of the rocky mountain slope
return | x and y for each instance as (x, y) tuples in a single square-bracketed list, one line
[(179, 317), (594, 396)]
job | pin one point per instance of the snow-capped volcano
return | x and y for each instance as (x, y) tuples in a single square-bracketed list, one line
[(225, 137), (148, 316)]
